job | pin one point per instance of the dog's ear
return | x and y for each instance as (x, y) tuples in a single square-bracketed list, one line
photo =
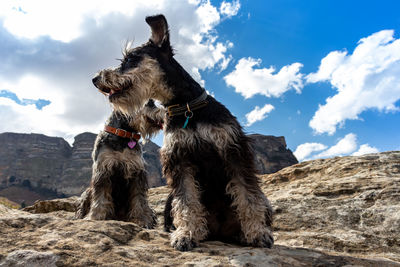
[(159, 30)]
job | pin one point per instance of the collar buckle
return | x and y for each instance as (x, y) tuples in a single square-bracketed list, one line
[(120, 132), (170, 112), (197, 103)]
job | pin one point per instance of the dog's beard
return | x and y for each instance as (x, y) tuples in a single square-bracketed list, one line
[(148, 121), (136, 86)]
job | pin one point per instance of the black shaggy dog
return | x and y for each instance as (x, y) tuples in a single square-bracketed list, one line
[(206, 157), (118, 188)]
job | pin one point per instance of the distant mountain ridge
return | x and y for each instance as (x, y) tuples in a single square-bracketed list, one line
[(50, 167)]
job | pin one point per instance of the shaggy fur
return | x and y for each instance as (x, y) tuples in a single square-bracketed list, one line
[(209, 165), (118, 188)]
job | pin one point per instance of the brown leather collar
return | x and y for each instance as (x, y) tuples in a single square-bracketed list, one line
[(197, 103), (121, 133)]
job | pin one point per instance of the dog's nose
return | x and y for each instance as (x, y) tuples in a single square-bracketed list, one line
[(150, 104), (95, 80)]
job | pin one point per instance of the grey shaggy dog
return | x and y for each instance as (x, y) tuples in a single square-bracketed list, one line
[(118, 188), (206, 157)]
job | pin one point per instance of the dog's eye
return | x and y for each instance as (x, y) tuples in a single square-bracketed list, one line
[(130, 62), (133, 59)]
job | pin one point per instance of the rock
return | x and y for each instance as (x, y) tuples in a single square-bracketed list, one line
[(22, 258), (151, 154), (33, 157), (271, 153), (51, 240), (344, 205), (333, 212), (66, 204), (77, 168)]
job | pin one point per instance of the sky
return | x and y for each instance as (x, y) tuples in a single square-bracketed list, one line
[(323, 74)]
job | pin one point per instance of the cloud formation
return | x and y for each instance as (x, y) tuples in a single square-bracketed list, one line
[(258, 114), (229, 9), (249, 81), (306, 149), (344, 147), (365, 149), (369, 78), (51, 50)]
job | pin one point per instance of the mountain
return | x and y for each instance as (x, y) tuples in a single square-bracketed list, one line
[(35, 166), (271, 153), (49, 167), (333, 212)]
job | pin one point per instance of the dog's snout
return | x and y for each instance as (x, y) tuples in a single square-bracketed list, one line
[(95, 80)]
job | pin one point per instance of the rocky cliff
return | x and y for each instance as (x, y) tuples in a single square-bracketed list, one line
[(77, 168), (34, 157), (271, 153), (333, 212), (51, 167)]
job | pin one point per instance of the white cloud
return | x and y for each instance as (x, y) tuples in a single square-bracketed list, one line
[(344, 146), (365, 149), (51, 49), (61, 20), (304, 150), (258, 114), (249, 81), (367, 79), (229, 9), (55, 119)]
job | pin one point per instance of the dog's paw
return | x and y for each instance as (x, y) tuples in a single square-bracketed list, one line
[(265, 240), (183, 243), (148, 224), (169, 228), (262, 240), (152, 222)]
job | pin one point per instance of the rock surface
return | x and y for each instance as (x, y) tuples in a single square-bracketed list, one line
[(348, 205), (334, 212)]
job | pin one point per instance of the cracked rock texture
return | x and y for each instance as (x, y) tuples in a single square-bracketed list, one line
[(333, 212)]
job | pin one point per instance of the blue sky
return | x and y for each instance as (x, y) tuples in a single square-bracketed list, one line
[(324, 74)]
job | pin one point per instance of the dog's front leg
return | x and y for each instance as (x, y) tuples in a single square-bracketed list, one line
[(102, 206), (253, 209), (83, 204), (140, 212), (189, 215)]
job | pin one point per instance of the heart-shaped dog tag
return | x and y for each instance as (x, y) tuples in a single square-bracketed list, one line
[(132, 144)]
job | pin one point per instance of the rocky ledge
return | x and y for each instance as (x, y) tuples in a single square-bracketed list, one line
[(333, 212)]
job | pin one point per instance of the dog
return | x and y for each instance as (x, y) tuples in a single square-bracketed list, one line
[(118, 188), (206, 157)]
